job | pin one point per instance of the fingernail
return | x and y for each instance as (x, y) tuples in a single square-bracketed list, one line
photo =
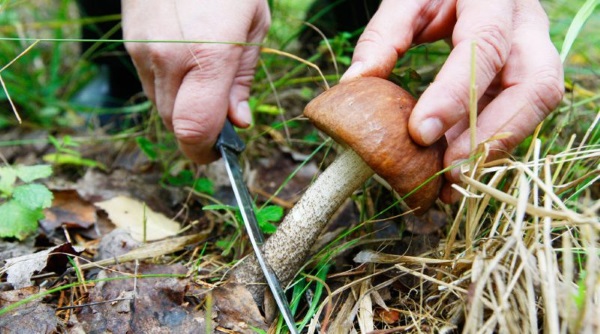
[(243, 113), (430, 130), (354, 71)]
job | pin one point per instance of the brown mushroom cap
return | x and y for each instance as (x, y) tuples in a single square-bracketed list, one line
[(371, 116)]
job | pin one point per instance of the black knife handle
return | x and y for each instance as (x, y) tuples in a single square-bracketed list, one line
[(230, 139)]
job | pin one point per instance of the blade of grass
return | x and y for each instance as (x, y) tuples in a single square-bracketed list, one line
[(579, 20), (296, 58)]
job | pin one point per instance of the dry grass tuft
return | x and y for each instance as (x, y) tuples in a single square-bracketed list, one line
[(533, 263)]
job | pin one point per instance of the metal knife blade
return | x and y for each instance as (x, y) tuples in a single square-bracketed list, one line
[(230, 145)]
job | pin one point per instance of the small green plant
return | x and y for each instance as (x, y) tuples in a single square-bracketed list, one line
[(186, 178), (22, 201), (265, 216), (67, 155)]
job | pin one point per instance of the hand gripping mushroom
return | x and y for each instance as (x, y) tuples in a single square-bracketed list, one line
[(369, 116)]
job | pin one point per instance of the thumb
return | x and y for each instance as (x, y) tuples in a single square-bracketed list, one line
[(202, 100)]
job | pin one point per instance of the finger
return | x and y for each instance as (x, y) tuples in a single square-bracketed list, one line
[(202, 100), (239, 109), (533, 82), (143, 68), (389, 34), (488, 24), (168, 67), (448, 194), (463, 124)]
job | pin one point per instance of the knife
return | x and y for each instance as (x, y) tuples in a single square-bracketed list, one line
[(230, 145)]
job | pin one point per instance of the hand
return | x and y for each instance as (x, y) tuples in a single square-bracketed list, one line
[(518, 71), (196, 86)]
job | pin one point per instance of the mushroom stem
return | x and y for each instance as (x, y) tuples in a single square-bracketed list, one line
[(287, 248)]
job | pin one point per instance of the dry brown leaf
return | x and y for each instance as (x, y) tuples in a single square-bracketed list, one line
[(30, 318), (390, 316), (142, 305), (70, 209), (20, 269), (130, 214), (236, 308)]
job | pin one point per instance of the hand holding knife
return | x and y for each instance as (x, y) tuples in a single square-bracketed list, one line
[(230, 146)]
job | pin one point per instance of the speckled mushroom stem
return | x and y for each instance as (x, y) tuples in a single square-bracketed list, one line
[(370, 116), (287, 248)]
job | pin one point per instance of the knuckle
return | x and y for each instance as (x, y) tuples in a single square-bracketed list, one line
[(371, 36), (189, 130), (458, 93), (264, 21), (158, 55), (135, 50), (374, 38), (547, 89), (493, 42), (208, 61)]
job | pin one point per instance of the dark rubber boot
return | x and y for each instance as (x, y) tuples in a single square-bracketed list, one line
[(116, 82)]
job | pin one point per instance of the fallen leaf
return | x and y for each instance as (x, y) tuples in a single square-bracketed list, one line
[(131, 215), (34, 319), (236, 309), (13, 296), (8, 250), (97, 186), (143, 305), (114, 244), (390, 317), (20, 269), (69, 209)]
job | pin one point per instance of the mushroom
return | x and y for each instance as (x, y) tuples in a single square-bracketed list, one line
[(370, 117)]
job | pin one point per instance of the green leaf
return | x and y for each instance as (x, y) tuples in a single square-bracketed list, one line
[(66, 159), (267, 215), (69, 151), (219, 207), (204, 185), (580, 295), (17, 221), (264, 216), (8, 177), (269, 109), (32, 173), (68, 141), (33, 196), (148, 147), (577, 24), (184, 178), (312, 137), (54, 141), (270, 213), (267, 228), (4, 122)]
